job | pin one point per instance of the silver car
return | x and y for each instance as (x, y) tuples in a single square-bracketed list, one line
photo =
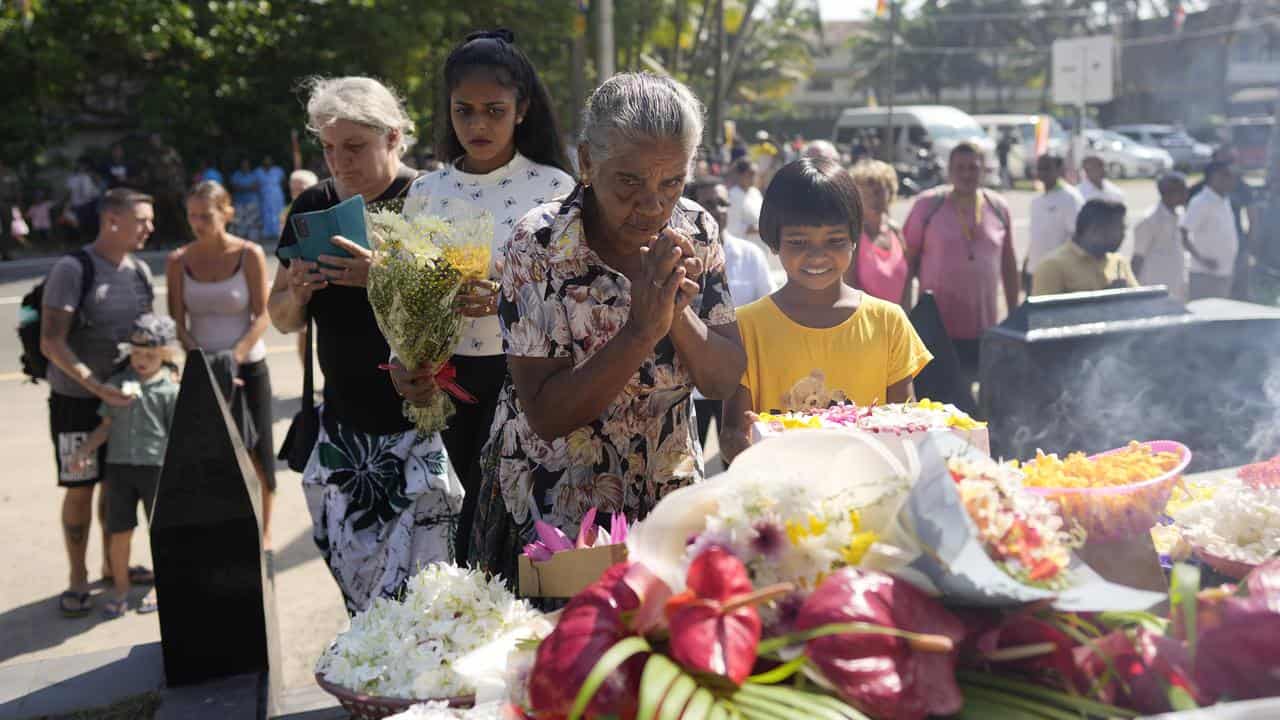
[(1125, 158), (1186, 152)]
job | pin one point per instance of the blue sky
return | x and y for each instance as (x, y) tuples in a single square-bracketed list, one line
[(846, 9)]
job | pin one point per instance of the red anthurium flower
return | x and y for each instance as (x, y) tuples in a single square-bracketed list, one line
[(1239, 658), (1149, 665), (1020, 642), (710, 633), (591, 623), (1264, 584), (883, 676)]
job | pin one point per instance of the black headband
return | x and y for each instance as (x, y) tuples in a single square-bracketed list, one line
[(502, 34)]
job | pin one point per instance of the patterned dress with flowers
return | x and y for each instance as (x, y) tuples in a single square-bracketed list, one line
[(560, 300)]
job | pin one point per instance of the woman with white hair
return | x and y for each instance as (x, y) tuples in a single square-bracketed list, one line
[(614, 307), (381, 496)]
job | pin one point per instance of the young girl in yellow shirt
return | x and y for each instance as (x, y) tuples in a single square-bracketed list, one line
[(817, 341)]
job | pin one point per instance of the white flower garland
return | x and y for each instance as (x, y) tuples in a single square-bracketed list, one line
[(409, 648)]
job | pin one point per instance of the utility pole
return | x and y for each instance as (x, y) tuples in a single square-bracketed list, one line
[(892, 155), (578, 64), (604, 39)]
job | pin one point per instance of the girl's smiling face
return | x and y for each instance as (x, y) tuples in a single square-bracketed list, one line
[(815, 256)]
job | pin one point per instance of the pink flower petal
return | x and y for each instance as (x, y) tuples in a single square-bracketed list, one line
[(552, 537)]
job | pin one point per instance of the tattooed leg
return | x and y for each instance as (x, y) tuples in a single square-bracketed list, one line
[(77, 514)]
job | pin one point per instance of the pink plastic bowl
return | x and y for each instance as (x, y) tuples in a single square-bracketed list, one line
[(1120, 512)]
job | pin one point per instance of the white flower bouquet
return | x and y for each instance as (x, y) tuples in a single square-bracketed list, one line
[(418, 647), (419, 264)]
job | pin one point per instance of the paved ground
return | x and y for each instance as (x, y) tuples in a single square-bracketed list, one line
[(35, 566)]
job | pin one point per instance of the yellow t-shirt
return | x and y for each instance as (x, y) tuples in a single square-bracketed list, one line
[(792, 367)]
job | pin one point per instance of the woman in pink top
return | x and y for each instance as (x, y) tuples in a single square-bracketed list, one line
[(960, 245), (881, 266)]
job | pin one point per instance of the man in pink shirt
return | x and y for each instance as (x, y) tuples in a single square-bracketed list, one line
[(960, 246)]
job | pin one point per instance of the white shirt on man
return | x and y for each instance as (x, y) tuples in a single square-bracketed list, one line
[(81, 189), (746, 269), (1211, 226), (1053, 222), (1110, 192), (1158, 241), (744, 212), (507, 194)]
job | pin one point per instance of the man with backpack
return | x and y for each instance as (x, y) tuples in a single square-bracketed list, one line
[(960, 246), (89, 302)]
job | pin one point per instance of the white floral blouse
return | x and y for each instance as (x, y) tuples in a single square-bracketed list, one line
[(560, 300)]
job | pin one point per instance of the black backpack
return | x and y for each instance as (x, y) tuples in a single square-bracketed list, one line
[(34, 364)]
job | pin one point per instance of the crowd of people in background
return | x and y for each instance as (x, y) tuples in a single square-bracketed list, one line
[(628, 305)]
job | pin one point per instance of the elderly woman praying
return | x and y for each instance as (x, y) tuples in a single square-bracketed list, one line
[(614, 308)]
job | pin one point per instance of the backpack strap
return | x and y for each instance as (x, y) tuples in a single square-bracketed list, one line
[(145, 281), (938, 201), (87, 273), (1001, 214)]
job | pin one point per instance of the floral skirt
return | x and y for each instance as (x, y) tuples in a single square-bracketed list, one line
[(382, 507)]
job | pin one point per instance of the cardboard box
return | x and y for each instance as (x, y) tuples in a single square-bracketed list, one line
[(567, 572)]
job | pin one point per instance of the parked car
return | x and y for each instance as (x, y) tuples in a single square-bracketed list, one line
[(1187, 153), (1022, 156), (1125, 158), (936, 129)]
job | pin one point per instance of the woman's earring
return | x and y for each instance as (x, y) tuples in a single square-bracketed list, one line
[(519, 119), (114, 227)]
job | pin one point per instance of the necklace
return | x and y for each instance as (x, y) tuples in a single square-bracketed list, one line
[(969, 230)]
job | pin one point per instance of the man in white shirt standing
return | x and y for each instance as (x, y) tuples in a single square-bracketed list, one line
[(745, 201), (1210, 225), (1053, 214), (1096, 186), (1159, 254)]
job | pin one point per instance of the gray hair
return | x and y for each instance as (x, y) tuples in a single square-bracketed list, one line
[(820, 149), (360, 100), (635, 107)]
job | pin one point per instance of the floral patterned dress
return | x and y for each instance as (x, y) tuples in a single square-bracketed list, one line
[(560, 300)]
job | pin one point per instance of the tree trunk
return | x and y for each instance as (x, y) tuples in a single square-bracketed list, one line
[(677, 53)]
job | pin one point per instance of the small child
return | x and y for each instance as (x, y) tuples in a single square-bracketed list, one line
[(41, 214), (817, 341), (136, 436)]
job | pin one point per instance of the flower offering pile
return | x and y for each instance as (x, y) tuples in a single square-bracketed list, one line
[(419, 264), (1240, 522), (411, 648), (1022, 532), (1116, 495), (899, 421)]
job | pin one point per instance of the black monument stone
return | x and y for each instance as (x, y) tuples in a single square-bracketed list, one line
[(1092, 371), (217, 604)]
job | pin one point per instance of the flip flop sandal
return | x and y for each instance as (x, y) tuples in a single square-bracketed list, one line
[(138, 575), (149, 604), (83, 604), (115, 608)]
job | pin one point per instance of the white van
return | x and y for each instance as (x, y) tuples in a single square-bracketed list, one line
[(936, 128), (1022, 128)]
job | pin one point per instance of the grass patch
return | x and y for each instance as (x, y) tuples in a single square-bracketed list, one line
[(138, 707)]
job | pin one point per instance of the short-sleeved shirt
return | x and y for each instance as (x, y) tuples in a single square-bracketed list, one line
[(794, 367), (963, 272), (1158, 241), (116, 299), (1070, 269), (560, 300), (1211, 223), (348, 343), (140, 430), (1053, 222)]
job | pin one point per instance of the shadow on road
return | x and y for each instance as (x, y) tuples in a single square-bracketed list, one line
[(301, 549), (38, 625)]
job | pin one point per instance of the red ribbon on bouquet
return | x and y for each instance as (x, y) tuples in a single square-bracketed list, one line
[(446, 379)]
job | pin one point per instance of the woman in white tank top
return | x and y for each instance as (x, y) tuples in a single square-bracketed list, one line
[(218, 298)]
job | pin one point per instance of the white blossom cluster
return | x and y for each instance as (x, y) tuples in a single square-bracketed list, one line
[(1238, 522), (409, 648), (442, 711)]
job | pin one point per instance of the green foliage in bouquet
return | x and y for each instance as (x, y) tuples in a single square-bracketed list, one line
[(412, 286)]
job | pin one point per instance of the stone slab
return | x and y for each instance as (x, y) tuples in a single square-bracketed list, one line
[(62, 685)]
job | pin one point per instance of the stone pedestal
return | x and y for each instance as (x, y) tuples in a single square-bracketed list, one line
[(217, 605)]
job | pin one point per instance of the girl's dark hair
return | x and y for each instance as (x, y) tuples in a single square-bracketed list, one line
[(809, 192), (538, 137)]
